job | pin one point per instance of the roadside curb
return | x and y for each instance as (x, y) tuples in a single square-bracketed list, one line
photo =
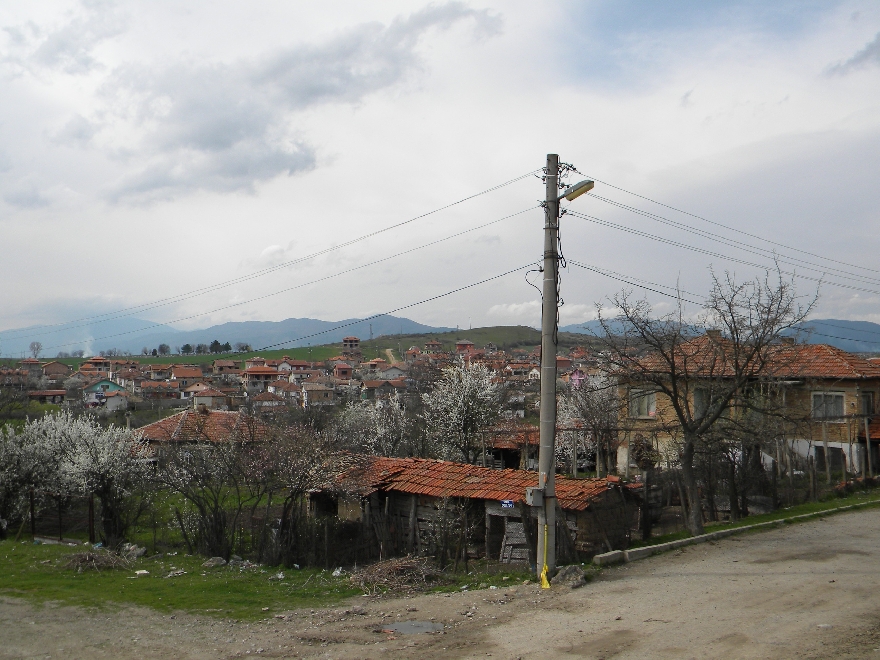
[(621, 556)]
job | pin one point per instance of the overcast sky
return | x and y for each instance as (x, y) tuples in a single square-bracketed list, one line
[(150, 149)]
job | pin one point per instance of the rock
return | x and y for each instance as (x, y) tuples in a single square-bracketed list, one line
[(569, 576), (235, 558), (357, 609), (214, 562)]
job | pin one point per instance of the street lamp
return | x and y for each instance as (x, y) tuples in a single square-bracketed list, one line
[(543, 497)]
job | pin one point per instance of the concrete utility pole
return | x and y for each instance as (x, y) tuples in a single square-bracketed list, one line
[(546, 550)]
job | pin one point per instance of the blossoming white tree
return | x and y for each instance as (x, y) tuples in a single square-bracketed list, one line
[(463, 403), (376, 427)]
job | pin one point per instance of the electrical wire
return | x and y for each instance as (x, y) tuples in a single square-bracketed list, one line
[(137, 309), (723, 226), (711, 253), (630, 280), (794, 261), (634, 281), (399, 309), (301, 285)]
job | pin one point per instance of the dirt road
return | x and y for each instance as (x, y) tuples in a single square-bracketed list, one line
[(804, 591)]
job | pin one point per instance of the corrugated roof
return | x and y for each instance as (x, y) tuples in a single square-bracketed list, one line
[(434, 478)]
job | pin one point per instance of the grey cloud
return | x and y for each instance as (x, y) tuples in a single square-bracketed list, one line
[(26, 197), (70, 47), (78, 131), (226, 127), (868, 55)]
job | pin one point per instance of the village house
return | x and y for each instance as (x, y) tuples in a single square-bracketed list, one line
[(315, 394), (210, 398), (94, 393), (47, 396), (381, 389), (824, 394), (97, 363), (158, 390), (256, 378), (392, 372), (204, 425), (220, 367), (55, 371), (405, 497), (185, 375), (351, 345), (31, 366)]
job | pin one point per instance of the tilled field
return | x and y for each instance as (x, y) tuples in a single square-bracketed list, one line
[(804, 591)]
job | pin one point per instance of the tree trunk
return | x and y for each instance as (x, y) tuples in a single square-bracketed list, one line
[(695, 509), (733, 495)]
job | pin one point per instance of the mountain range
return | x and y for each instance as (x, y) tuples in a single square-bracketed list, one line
[(131, 334), (852, 336)]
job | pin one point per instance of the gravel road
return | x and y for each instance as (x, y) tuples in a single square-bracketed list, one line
[(810, 590)]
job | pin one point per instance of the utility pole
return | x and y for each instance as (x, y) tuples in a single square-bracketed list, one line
[(546, 550)]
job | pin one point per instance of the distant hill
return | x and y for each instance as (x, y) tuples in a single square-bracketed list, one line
[(131, 334), (852, 336)]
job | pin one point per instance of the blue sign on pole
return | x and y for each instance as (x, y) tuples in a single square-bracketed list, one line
[(506, 504)]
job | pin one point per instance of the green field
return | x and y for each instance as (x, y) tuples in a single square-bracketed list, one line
[(38, 573), (504, 337)]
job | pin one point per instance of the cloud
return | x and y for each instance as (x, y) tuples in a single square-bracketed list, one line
[(68, 48), (868, 55), (78, 131), (227, 126), (26, 197)]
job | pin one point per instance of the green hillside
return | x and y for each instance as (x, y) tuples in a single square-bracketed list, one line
[(505, 337)]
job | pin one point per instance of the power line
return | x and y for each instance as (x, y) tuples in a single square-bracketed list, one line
[(303, 284), (130, 311), (733, 229), (710, 253), (845, 274), (630, 280), (399, 309), (633, 281)]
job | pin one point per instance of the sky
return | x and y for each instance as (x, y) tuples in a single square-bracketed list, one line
[(168, 160)]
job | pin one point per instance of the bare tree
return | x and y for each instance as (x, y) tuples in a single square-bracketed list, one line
[(35, 349), (593, 406), (696, 368)]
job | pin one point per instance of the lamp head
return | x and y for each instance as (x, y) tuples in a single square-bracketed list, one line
[(575, 191)]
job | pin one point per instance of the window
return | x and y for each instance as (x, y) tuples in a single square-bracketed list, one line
[(867, 403), (828, 405), (642, 403)]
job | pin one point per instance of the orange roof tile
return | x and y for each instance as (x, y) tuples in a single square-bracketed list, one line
[(208, 426), (434, 478)]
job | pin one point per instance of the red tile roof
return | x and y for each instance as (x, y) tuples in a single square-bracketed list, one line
[(186, 372), (208, 426), (267, 396), (209, 392), (433, 478)]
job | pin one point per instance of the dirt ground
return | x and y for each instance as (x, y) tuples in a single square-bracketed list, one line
[(803, 591)]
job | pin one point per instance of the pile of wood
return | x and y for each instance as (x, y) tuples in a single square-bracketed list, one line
[(405, 574), (97, 560)]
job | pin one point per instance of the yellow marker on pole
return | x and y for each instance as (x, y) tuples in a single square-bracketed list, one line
[(545, 584)]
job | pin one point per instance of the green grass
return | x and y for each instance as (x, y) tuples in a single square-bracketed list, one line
[(37, 573), (504, 337), (827, 505)]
